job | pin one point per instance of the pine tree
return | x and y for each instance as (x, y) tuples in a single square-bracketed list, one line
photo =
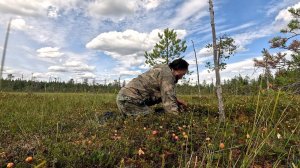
[(290, 41), (167, 49)]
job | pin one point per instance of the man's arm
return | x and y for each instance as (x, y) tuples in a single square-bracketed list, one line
[(182, 103), (168, 94)]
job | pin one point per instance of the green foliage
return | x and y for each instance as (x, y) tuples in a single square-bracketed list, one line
[(225, 49), (167, 49), (289, 40), (238, 85), (286, 77), (270, 62), (287, 71), (61, 129), (70, 86)]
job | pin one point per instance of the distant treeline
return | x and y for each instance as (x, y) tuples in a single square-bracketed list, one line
[(286, 80), (42, 86)]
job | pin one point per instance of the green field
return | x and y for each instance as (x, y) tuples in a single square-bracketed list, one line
[(63, 130)]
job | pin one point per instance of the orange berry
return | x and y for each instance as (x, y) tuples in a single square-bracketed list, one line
[(222, 145), (154, 132), (29, 159), (10, 165)]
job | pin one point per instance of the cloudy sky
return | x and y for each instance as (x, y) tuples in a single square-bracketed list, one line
[(106, 39)]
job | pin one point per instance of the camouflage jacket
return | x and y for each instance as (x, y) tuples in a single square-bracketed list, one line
[(155, 85)]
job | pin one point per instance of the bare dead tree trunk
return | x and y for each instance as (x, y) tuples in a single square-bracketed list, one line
[(198, 80), (267, 73), (167, 48), (216, 64), (4, 52)]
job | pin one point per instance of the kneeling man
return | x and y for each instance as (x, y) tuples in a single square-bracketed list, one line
[(157, 85)]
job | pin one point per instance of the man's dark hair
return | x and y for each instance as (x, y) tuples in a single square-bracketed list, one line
[(179, 64)]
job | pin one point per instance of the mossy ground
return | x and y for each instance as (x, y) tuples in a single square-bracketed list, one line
[(62, 130)]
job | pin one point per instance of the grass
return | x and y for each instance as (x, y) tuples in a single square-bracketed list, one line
[(62, 130)]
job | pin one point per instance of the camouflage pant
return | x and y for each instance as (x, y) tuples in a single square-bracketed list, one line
[(131, 107)]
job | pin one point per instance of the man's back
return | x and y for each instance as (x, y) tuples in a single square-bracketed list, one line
[(155, 85), (148, 84)]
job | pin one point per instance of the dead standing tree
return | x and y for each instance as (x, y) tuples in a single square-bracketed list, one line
[(198, 80), (217, 70), (222, 50), (4, 52)]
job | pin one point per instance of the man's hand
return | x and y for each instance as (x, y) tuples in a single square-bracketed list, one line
[(182, 104)]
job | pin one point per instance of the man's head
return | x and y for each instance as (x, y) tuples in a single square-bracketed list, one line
[(179, 68)]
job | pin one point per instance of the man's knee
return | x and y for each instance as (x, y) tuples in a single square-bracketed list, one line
[(131, 107)]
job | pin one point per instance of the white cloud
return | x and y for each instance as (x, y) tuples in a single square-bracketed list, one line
[(54, 27), (111, 8), (57, 69), (243, 39), (72, 63), (280, 21), (129, 46), (8, 70), (23, 7), (87, 75), (123, 43), (20, 24), (18, 73), (117, 10), (46, 76), (243, 68), (275, 5), (189, 9), (151, 4), (49, 52), (83, 67), (130, 72), (36, 7), (53, 12), (284, 15), (78, 66), (205, 52), (41, 28), (144, 66), (38, 75), (240, 27)]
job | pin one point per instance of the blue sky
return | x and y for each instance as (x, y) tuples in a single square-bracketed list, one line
[(106, 39)]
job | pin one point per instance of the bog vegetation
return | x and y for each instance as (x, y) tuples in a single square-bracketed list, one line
[(58, 124), (63, 130)]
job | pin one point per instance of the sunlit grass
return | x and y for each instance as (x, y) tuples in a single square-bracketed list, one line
[(63, 131)]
